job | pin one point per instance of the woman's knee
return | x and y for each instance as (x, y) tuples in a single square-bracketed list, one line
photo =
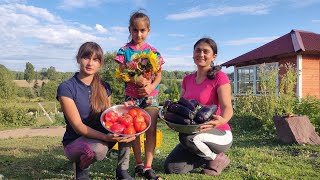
[(100, 151), (186, 140), (173, 167)]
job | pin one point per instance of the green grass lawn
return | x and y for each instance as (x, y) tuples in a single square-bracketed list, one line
[(253, 156)]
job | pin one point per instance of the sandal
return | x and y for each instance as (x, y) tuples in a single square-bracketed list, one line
[(150, 174)]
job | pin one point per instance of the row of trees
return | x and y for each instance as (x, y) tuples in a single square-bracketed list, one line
[(169, 88), (9, 90), (50, 73)]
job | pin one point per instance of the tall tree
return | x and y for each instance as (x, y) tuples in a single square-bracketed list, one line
[(49, 90), (29, 73), (37, 88), (19, 76), (109, 76), (52, 73), (43, 73), (7, 87)]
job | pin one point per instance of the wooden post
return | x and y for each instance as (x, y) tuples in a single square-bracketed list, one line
[(45, 112), (55, 108)]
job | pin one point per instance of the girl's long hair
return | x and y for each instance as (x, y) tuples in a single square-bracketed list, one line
[(99, 99), (211, 74)]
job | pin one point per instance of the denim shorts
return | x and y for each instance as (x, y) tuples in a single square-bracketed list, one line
[(145, 102)]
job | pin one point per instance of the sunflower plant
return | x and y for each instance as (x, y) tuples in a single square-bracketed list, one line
[(145, 64)]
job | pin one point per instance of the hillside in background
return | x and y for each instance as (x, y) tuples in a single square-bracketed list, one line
[(24, 83)]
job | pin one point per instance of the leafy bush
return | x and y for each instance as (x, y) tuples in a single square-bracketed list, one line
[(59, 120), (287, 98), (252, 111), (15, 116), (310, 106), (246, 122), (270, 103)]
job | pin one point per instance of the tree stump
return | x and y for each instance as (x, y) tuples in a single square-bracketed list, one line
[(296, 129)]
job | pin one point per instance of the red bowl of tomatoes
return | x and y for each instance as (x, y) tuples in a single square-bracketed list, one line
[(125, 120)]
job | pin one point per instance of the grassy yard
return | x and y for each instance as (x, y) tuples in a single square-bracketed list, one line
[(253, 156)]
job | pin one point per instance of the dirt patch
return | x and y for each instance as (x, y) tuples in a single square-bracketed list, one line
[(32, 132)]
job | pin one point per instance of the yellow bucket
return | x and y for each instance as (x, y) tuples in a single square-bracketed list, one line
[(143, 139)]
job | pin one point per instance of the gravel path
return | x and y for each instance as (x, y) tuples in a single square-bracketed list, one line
[(31, 132)]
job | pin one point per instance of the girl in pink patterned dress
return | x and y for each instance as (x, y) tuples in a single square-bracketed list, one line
[(141, 90)]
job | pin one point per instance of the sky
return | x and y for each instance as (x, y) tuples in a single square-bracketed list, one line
[(49, 32)]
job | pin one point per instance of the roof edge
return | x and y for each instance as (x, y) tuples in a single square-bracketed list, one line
[(297, 41)]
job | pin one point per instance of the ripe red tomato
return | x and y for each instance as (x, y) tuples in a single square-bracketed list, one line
[(111, 116), (139, 111), (138, 119), (108, 124), (105, 118), (139, 127), (129, 130), (146, 118), (133, 112), (126, 119), (117, 128)]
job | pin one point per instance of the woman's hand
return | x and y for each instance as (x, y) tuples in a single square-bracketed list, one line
[(216, 121), (129, 103), (117, 138)]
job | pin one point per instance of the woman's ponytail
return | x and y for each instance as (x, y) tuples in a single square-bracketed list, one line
[(211, 74)]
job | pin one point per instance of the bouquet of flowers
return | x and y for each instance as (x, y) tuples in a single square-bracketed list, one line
[(145, 64)]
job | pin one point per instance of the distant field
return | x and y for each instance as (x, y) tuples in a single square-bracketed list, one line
[(24, 83)]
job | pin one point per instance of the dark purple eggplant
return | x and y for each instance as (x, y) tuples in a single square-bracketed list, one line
[(194, 102), (205, 114), (181, 110), (176, 118), (192, 122), (166, 104), (185, 102)]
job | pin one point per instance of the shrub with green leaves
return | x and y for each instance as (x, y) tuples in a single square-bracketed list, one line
[(276, 99), (59, 120), (287, 98), (16, 116), (310, 106)]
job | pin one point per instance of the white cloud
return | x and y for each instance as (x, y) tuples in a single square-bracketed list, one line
[(119, 29), (101, 29), (13, 1), (70, 4), (197, 12), (254, 40), (177, 48), (37, 12), (77, 4), (31, 34), (178, 62)]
